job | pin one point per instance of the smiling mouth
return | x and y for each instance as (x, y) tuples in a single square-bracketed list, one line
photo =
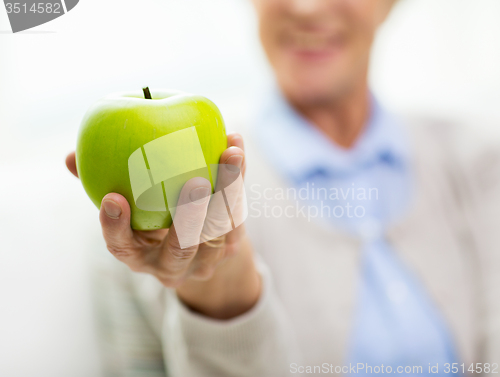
[(313, 45)]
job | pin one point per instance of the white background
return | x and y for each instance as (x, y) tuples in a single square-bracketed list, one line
[(434, 56)]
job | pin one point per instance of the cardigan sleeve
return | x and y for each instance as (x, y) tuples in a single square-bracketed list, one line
[(129, 345), (480, 169), (145, 330), (256, 343)]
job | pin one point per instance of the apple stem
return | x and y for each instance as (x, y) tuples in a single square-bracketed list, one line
[(147, 93)]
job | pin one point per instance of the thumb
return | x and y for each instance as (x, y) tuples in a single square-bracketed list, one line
[(115, 223)]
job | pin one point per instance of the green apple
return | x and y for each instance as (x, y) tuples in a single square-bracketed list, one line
[(146, 149)]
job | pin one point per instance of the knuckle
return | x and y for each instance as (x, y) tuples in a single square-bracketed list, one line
[(169, 281), (203, 272), (216, 243), (232, 248), (135, 267), (118, 251), (182, 254)]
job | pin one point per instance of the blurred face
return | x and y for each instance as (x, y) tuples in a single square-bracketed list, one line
[(319, 49)]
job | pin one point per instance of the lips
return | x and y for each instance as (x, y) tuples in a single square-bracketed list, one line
[(313, 44)]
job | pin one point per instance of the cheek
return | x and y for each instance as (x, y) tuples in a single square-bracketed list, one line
[(269, 34), (365, 17)]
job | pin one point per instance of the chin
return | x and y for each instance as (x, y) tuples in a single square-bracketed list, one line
[(308, 91)]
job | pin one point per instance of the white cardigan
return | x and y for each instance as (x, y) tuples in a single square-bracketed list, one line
[(450, 238)]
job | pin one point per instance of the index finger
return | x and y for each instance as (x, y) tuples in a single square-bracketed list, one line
[(71, 163), (235, 140)]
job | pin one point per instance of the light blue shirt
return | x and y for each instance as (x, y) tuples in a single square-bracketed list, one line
[(369, 186)]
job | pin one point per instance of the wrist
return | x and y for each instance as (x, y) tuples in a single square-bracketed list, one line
[(234, 288)]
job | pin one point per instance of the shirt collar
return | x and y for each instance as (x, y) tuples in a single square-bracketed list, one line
[(301, 150)]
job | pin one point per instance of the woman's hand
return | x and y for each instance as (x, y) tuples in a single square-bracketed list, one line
[(217, 278)]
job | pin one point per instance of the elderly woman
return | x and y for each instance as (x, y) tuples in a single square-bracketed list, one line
[(371, 245)]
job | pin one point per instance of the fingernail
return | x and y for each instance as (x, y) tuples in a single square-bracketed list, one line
[(235, 160), (112, 209), (199, 193)]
